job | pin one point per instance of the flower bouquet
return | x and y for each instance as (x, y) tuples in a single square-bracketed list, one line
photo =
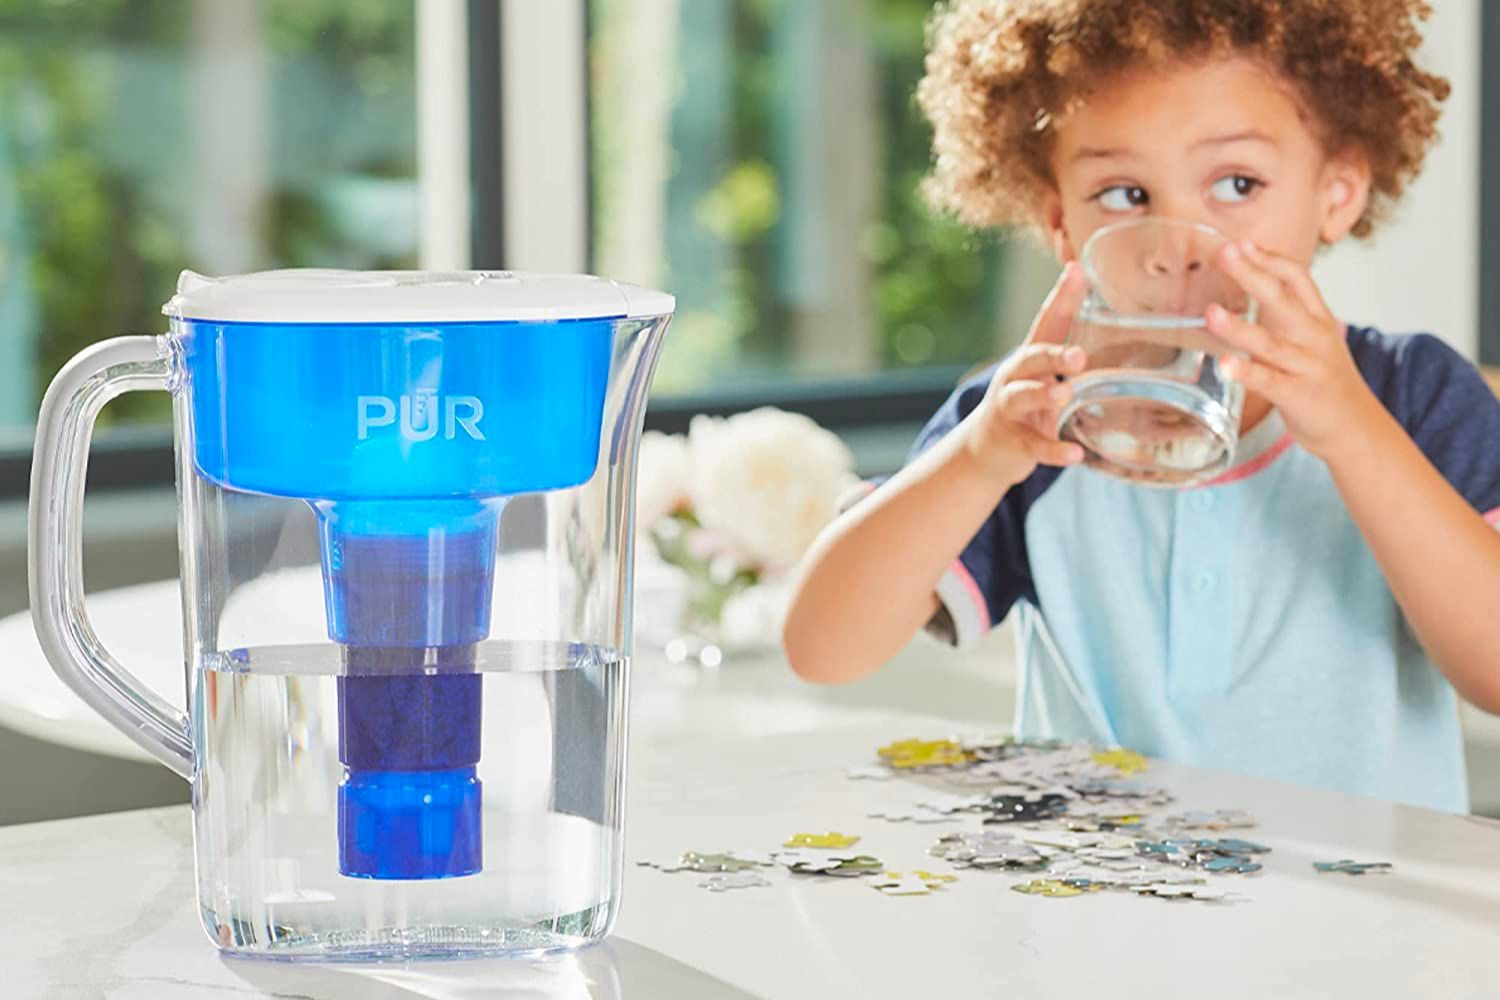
[(724, 515)]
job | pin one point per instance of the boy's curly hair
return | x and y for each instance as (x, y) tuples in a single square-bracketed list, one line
[(1001, 72)]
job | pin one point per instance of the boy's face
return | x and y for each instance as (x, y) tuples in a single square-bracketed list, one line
[(1219, 143)]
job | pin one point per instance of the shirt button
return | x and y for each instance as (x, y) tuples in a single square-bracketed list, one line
[(1204, 582)]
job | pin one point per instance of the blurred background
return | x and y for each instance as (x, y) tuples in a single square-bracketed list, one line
[(759, 158)]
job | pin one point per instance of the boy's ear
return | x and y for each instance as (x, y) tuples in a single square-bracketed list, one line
[(1057, 233), (1344, 195)]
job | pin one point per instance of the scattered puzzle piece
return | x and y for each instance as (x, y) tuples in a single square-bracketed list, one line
[(1127, 762), (918, 883), (988, 849), (1173, 890), (1234, 845), (751, 854), (734, 880), (1063, 840), (1027, 808), (715, 862), (704, 862), (1219, 819), (909, 886), (1129, 865), (915, 814), (823, 840), (1050, 887), (1102, 822), (842, 865), (1348, 867), (1162, 849), (1122, 788), (1106, 878), (948, 804), (908, 754)]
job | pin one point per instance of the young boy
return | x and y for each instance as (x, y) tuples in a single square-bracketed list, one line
[(1308, 615)]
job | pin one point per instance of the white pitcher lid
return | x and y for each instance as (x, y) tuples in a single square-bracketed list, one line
[(319, 295)]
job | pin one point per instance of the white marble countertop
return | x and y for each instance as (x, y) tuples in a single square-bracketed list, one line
[(104, 907), (744, 756)]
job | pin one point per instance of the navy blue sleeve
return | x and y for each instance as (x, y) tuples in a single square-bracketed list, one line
[(992, 572), (1443, 403)]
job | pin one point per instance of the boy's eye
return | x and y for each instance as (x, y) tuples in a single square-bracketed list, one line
[(1122, 198), (1234, 188)]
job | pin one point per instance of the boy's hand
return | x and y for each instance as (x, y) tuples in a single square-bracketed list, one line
[(1299, 355), (1014, 429)]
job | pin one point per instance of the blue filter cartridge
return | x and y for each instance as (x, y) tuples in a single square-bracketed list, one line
[(409, 804), (408, 592)]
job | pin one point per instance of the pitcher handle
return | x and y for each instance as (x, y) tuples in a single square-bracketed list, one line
[(64, 428)]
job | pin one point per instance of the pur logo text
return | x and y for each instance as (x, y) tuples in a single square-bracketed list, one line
[(422, 416)]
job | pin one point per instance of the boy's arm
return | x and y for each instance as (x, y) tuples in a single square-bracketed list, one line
[(870, 581), (1440, 557)]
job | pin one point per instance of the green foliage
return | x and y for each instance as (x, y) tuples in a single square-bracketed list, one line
[(711, 582), (744, 205), (729, 240), (92, 99), (932, 298)]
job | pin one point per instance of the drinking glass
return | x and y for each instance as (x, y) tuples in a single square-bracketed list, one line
[(1153, 405)]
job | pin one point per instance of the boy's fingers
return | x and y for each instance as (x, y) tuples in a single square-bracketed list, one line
[(1268, 290), (1020, 401), (1040, 361), (1252, 338), (1050, 451), (1253, 375), (1294, 276), (1056, 315)]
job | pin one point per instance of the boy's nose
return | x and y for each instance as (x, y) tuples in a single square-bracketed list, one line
[(1174, 254)]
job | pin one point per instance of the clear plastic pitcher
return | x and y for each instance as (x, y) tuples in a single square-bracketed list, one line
[(405, 523)]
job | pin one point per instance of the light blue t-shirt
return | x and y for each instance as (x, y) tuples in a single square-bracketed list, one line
[(1244, 624)]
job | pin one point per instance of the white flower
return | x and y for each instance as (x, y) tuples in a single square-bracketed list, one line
[(661, 482), (752, 618), (767, 481)]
